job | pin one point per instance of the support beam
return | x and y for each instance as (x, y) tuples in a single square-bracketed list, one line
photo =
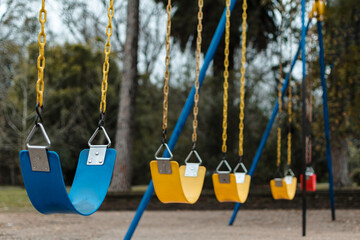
[(268, 128), (304, 120), (326, 120), (182, 119)]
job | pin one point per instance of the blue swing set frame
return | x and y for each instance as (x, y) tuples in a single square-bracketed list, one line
[(189, 104)]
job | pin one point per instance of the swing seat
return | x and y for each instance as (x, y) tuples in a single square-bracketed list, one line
[(283, 188), (232, 191), (310, 182), (176, 187), (47, 192)]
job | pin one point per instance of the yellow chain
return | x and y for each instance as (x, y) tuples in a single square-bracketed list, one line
[(280, 81), (242, 80), (106, 66), (197, 71), (290, 104), (167, 62), (278, 161), (226, 75), (290, 120), (279, 96), (41, 57)]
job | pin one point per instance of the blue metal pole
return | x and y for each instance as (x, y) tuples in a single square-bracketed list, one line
[(326, 119), (182, 119), (268, 128)]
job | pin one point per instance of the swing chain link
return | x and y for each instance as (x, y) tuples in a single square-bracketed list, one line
[(38, 117), (290, 102), (41, 57), (290, 120), (167, 63), (106, 65), (226, 76), (278, 161), (197, 71), (101, 120), (280, 70), (242, 81), (164, 136)]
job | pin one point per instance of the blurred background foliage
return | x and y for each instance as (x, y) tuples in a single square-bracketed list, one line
[(74, 71)]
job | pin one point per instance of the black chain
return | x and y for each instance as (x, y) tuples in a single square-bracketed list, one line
[(164, 136), (101, 119), (38, 117)]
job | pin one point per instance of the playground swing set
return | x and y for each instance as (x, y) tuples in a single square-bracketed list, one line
[(317, 12), (41, 169)]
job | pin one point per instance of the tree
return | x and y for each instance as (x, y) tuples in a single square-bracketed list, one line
[(261, 18), (17, 24), (121, 180), (342, 51)]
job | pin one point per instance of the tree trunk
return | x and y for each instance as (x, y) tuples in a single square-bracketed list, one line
[(340, 156), (121, 180)]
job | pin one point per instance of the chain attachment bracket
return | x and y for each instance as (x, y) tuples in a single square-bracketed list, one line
[(191, 169), (97, 152), (240, 176), (289, 175), (224, 176), (38, 154), (163, 163)]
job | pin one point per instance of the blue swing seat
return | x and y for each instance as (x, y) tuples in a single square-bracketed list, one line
[(47, 192)]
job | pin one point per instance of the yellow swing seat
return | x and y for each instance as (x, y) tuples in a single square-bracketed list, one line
[(176, 187), (232, 191), (174, 184), (283, 188), (235, 187)]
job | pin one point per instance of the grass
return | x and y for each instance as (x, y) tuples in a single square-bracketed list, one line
[(139, 188), (325, 186), (322, 186), (14, 199)]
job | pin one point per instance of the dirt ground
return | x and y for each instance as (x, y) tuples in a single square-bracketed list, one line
[(250, 224)]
